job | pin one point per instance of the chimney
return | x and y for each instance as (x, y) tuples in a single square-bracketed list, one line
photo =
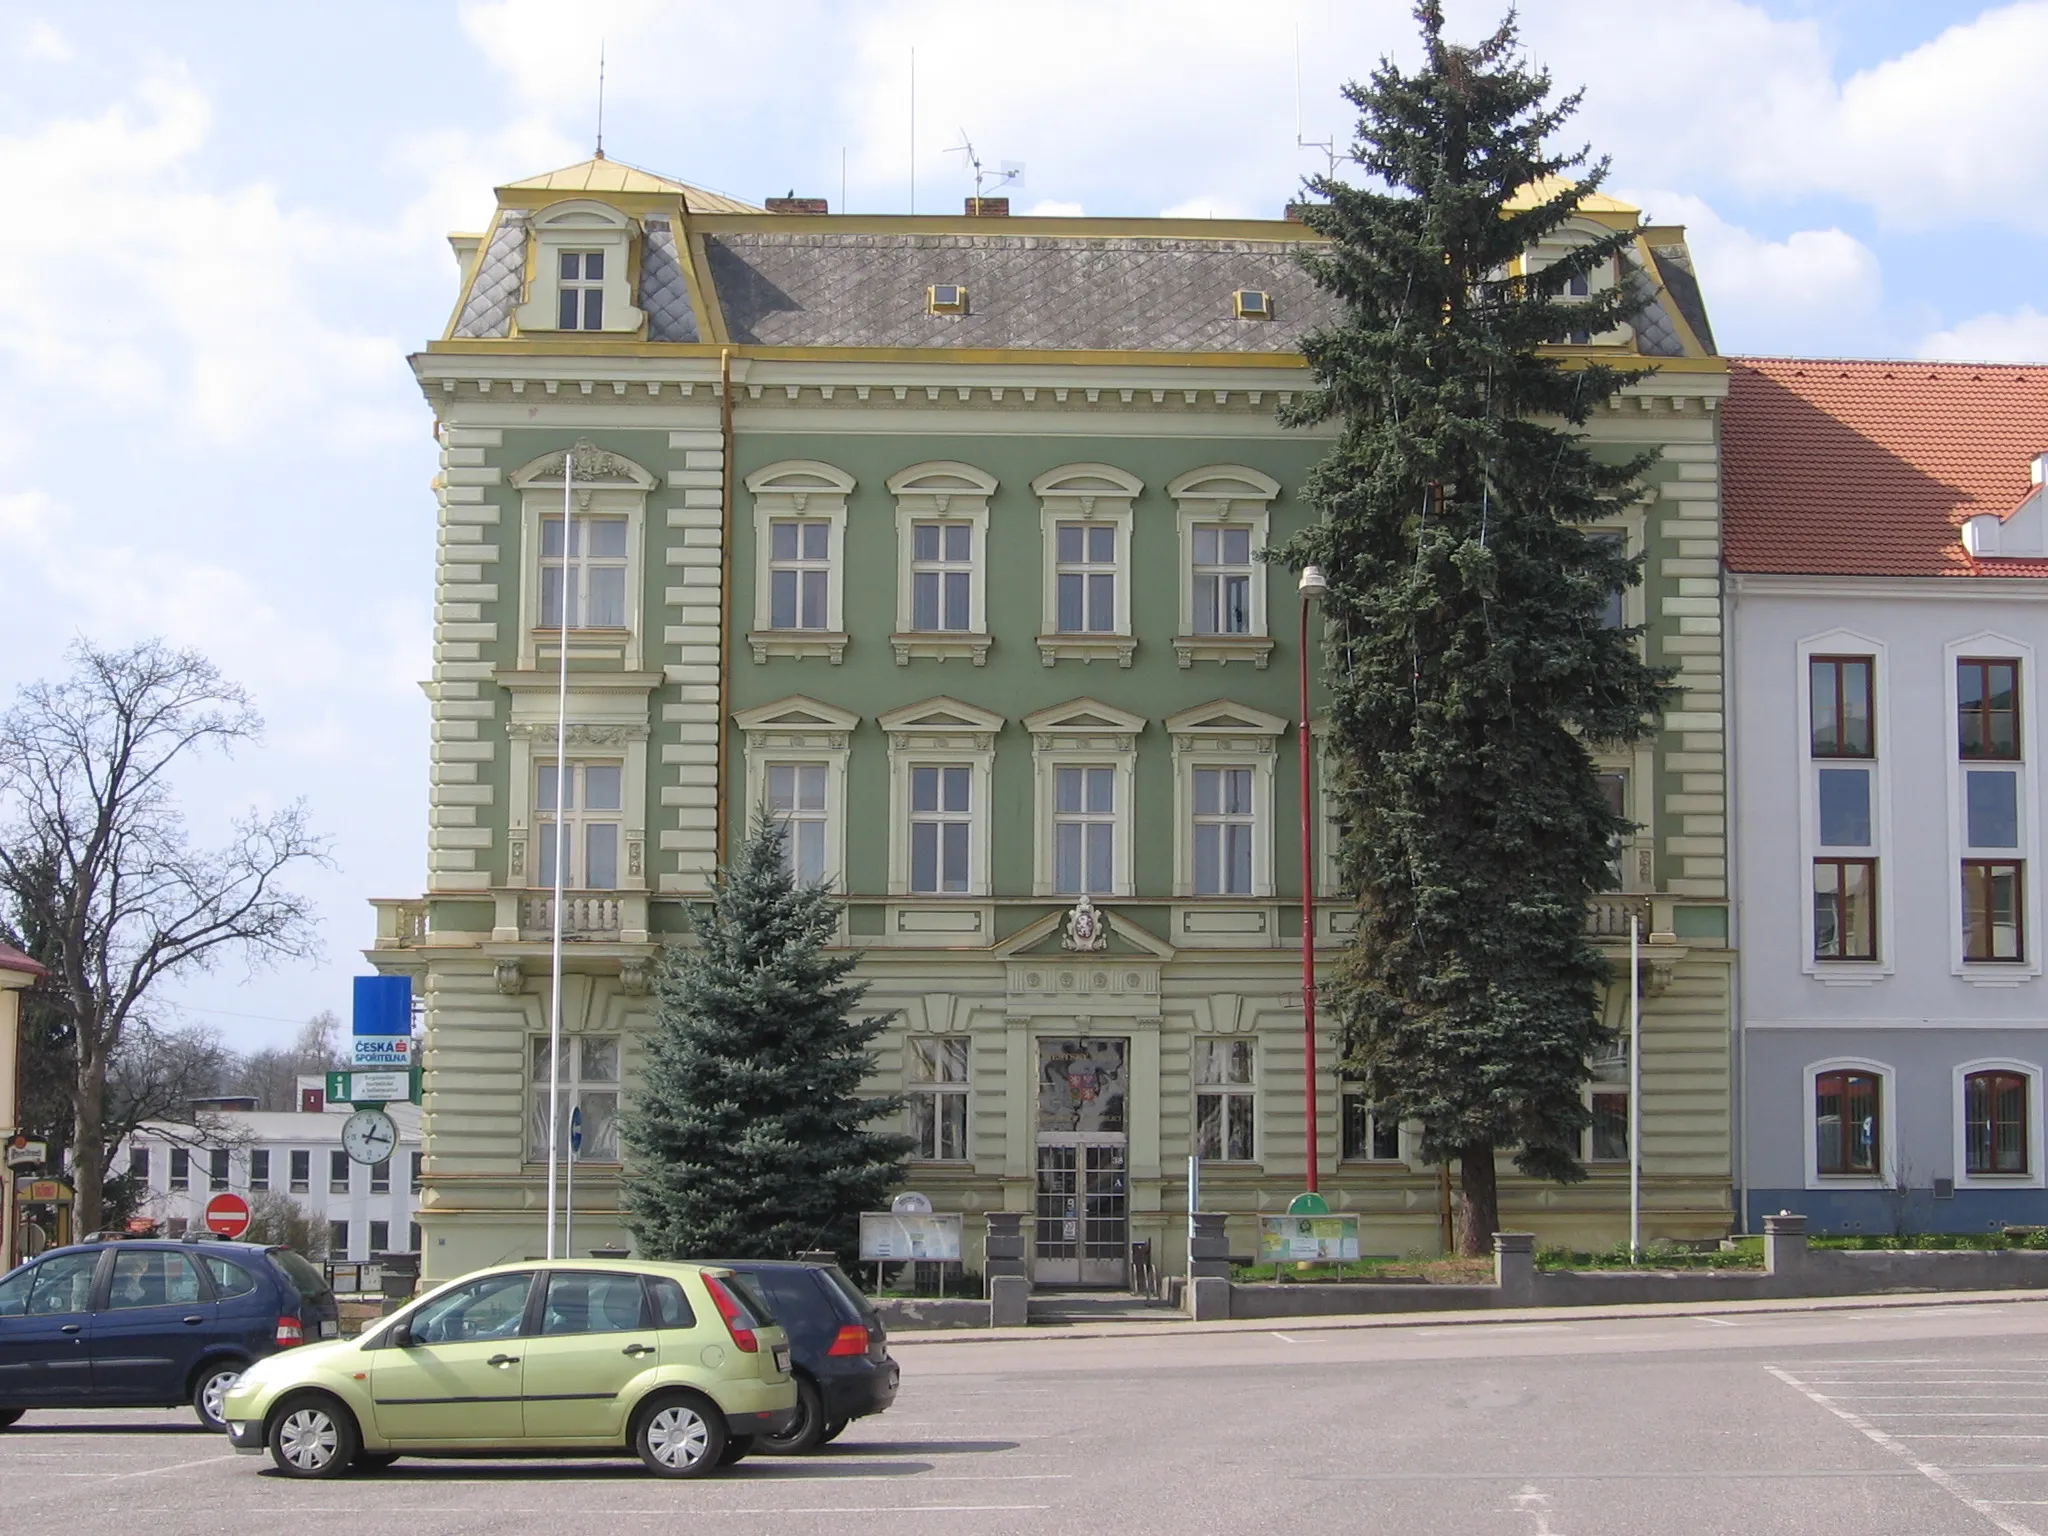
[(988, 207), (795, 204), (1296, 211)]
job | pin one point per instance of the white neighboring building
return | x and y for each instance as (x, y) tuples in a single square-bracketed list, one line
[(367, 1209), (1888, 610)]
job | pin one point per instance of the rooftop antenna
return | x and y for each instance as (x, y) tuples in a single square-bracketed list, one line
[(986, 180), (600, 97), (1327, 146), (913, 131)]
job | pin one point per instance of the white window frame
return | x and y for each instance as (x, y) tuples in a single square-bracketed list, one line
[(1248, 1091), (1083, 733), (607, 731), (1085, 493), (580, 224), (1887, 1122), (581, 285), (941, 491), (1562, 242), (915, 1088), (1843, 642), (806, 489), (2033, 1178), (579, 817), (939, 733), (607, 485), (1224, 495), (1991, 645), (576, 568), (1372, 1125), (801, 730), (1224, 734), (573, 1087)]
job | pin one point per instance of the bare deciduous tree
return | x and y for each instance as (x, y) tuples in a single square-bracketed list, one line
[(86, 796), (272, 1076)]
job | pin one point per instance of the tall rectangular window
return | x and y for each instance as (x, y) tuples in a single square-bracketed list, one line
[(1223, 580), (181, 1168), (1225, 1107), (138, 1165), (1085, 572), (580, 283), (799, 573), (937, 1092), (589, 1082), (1988, 708), (1223, 831), (1992, 911), (1084, 831), (1842, 698), (1368, 1135), (1612, 613), (380, 1237), (337, 1240), (1614, 790), (796, 798), (1847, 1127), (941, 576), (589, 814), (419, 1160), (259, 1169), (941, 820), (380, 1177), (302, 1172), (1995, 1138), (591, 570), (1607, 1097), (1845, 909), (338, 1175), (217, 1168)]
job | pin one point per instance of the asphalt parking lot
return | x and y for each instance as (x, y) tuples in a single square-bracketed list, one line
[(1919, 1420)]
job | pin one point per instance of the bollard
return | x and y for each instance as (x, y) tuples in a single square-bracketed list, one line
[(1785, 1246), (1514, 1268)]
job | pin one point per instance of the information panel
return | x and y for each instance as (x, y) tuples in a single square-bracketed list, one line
[(1332, 1239), (894, 1236)]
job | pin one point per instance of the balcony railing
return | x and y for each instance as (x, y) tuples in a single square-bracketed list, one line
[(400, 924), (584, 916), (1610, 916)]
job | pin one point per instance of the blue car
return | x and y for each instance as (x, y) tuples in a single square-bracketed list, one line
[(142, 1324), (842, 1364)]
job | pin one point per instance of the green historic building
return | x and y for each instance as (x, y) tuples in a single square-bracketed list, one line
[(939, 536)]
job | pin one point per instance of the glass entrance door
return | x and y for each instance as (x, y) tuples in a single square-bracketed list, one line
[(1083, 1235)]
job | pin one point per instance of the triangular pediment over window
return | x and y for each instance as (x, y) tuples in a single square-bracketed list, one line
[(939, 714), (1084, 716), (1225, 717), (796, 713)]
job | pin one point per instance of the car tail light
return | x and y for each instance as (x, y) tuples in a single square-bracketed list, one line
[(852, 1340), (737, 1319), (289, 1332)]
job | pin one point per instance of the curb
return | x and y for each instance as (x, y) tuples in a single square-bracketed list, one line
[(1492, 1315)]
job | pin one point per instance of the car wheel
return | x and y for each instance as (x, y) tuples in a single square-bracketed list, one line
[(833, 1431), (9, 1415), (209, 1392), (736, 1446), (374, 1461), (680, 1436), (313, 1437), (806, 1431)]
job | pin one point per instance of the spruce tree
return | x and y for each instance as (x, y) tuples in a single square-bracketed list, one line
[(748, 1138), (1467, 662)]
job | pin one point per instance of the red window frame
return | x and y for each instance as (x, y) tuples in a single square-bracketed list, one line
[(1981, 715), (1841, 908), (1844, 1085), (1979, 930), (1995, 1111), (1837, 668)]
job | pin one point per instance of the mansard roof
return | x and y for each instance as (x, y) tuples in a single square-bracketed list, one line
[(599, 175), (1851, 468)]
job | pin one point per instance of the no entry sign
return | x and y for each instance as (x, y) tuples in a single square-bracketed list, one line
[(227, 1215)]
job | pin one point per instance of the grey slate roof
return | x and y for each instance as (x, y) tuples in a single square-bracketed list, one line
[(1655, 334), (1674, 265), (663, 293), (1024, 291), (499, 276)]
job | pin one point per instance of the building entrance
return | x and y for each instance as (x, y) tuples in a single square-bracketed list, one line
[(1082, 1231)]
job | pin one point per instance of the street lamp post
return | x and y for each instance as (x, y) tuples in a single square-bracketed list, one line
[(1313, 584)]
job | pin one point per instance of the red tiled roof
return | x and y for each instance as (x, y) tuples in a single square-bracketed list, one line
[(12, 959), (1870, 468)]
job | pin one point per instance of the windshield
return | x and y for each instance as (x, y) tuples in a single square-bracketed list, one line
[(835, 1278), (305, 1277)]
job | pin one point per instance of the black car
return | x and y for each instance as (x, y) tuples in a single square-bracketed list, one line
[(148, 1324), (839, 1348)]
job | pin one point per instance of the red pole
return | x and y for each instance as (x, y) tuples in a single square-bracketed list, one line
[(1308, 913)]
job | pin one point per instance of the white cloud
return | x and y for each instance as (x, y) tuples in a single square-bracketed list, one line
[(1207, 208), (1053, 208), (44, 44), (2020, 336)]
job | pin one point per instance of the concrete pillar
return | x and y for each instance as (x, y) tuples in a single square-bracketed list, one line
[(1208, 1298), (1209, 1247), (1785, 1246), (1009, 1301), (17, 972), (1003, 1248), (1514, 1268)]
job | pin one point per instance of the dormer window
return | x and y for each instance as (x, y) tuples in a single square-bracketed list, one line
[(1253, 304), (582, 290), (946, 299)]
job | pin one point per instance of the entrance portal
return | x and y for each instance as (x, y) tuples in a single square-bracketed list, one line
[(1083, 1218)]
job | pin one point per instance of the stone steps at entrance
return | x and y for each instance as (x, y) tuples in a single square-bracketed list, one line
[(1097, 1307)]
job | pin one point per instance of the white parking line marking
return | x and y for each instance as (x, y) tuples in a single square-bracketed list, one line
[(1718, 1322), (122, 1477), (1942, 1480), (1285, 1340)]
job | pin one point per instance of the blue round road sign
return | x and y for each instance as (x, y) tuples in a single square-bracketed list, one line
[(576, 1129)]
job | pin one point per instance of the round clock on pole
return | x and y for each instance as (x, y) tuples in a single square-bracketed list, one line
[(369, 1136)]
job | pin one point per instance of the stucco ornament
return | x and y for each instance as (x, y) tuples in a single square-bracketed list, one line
[(592, 463), (1085, 928)]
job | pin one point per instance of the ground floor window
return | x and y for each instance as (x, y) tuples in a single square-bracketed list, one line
[(1607, 1098), (337, 1240), (1995, 1122), (1224, 1101), (937, 1092), (1368, 1135), (1847, 1106), (589, 1082)]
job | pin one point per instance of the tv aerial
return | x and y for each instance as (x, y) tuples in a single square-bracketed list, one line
[(1009, 173)]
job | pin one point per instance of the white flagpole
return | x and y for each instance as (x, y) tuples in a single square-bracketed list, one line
[(569, 1205), (1635, 1093), (561, 836)]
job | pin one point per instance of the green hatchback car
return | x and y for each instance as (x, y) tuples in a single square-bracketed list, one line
[(681, 1364)]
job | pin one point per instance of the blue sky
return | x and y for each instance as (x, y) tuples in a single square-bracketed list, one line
[(226, 229)]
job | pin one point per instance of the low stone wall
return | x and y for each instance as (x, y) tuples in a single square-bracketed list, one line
[(1312, 1299), (902, 1313)]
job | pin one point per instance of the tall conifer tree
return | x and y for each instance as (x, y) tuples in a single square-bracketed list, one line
[(749, 1137), (1468, 663)]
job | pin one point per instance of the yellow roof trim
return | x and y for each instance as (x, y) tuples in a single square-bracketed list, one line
[(616, 176), (1545, 188), (1269, 231)]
